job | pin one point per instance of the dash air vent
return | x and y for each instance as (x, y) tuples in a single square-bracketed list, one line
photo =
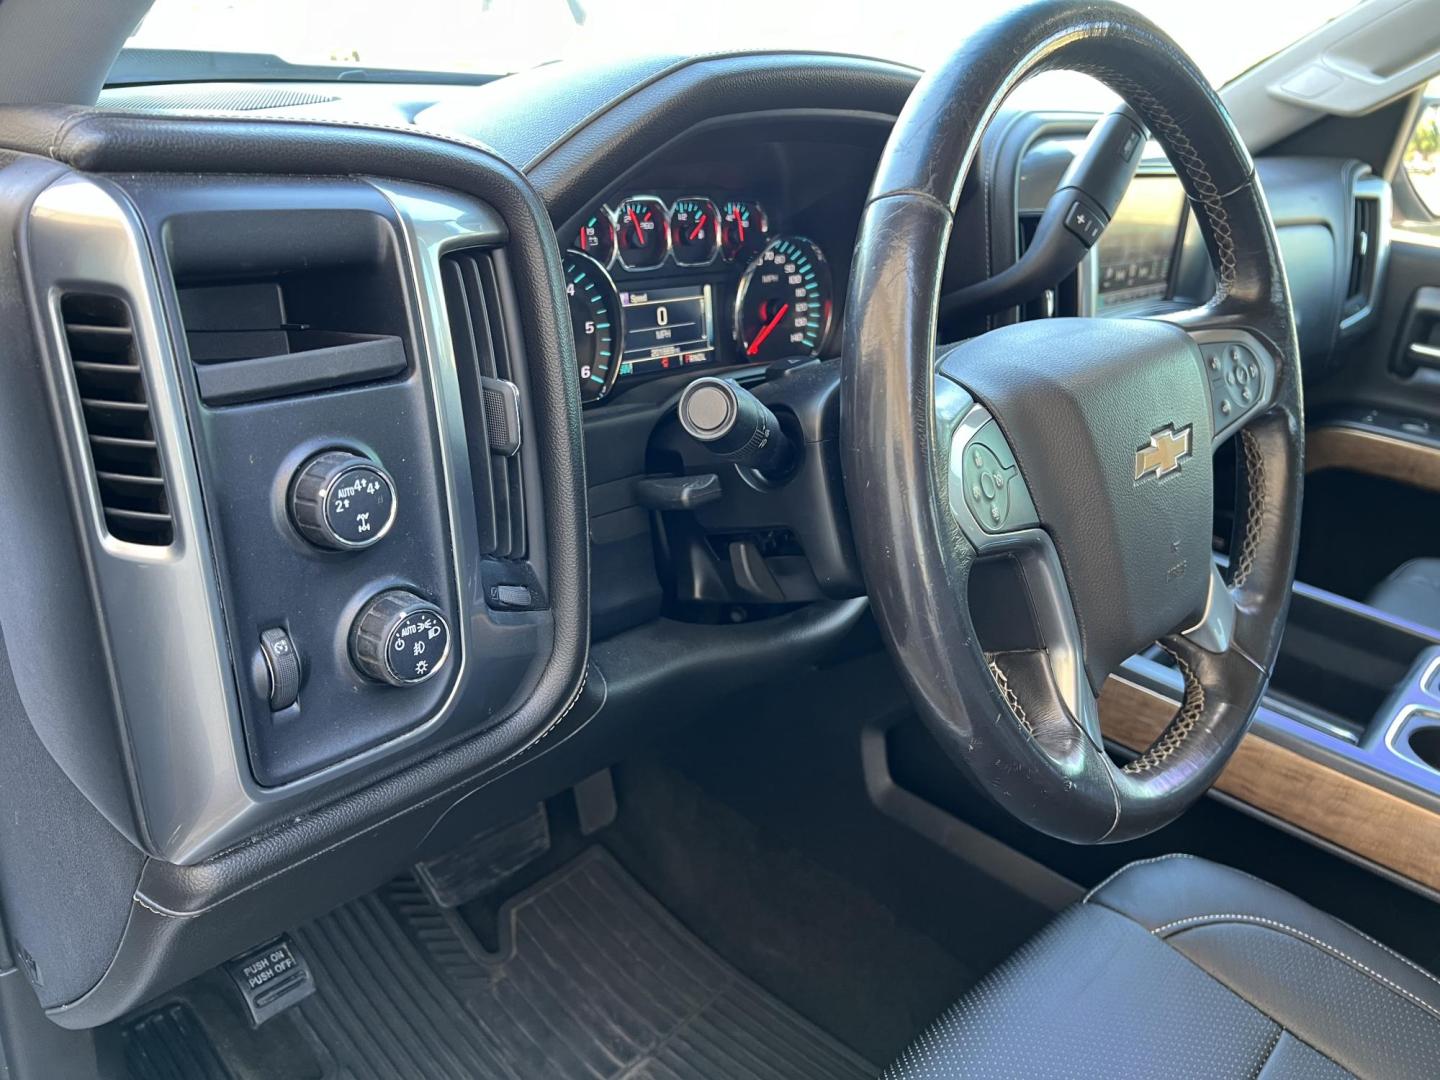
[(1368, 242), (1361, 255), (101, 340), (485, 360)]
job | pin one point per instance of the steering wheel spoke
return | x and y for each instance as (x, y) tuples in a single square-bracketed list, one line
[(1215, 629), (1048, 606), (991, 505)]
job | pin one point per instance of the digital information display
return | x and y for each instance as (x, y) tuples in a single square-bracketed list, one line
[(1137, 247), (666, 329)]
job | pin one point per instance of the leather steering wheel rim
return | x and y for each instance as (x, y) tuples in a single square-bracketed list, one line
[(1022, 721)]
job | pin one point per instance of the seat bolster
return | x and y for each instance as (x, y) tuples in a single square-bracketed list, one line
[(1176, 893), (1412, 591)]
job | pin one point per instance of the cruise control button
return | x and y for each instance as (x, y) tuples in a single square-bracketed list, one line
[(1084, 222)]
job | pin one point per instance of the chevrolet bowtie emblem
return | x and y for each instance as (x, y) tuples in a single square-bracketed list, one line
[(1164, 453)]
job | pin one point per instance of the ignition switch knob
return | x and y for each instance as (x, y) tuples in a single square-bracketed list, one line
[(399, 638), (340, 500), (734, 424)]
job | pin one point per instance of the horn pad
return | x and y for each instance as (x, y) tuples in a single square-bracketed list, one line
[(1109, 423)]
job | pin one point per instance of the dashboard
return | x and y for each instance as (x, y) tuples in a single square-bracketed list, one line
[(661, 284)]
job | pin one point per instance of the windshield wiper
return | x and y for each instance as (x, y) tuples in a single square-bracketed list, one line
[(138, 67)]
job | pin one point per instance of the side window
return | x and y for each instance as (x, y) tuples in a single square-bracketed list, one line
[(1422, 155)]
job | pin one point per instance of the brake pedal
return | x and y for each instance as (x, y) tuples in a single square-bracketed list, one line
[(486, 859)]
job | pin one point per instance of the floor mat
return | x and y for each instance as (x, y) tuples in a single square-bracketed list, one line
[(594, 979)]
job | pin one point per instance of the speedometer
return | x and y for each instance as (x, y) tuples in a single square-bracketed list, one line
[(598, 322), (784, 302)]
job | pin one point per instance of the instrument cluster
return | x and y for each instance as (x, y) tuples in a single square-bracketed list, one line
[(656, 286)]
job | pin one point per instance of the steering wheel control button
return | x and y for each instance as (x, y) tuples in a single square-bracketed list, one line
[(1084, 221), (341, 501), (400, 639), (282, 664), (1238, 374), (994, 490)]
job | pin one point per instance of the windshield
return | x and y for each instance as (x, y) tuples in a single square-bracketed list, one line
[(478, 37)]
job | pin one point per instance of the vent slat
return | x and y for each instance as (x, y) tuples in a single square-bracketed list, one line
[(118, 425), (482, 352), (136, 515), (103, 405), (117, 337)]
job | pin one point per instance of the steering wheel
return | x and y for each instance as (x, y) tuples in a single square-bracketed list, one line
[(1034, 505)]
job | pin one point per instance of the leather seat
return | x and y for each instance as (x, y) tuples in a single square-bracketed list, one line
[(1177, 967), (1412, 592)]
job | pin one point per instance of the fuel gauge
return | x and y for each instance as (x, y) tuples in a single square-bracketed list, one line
[(596, 237)]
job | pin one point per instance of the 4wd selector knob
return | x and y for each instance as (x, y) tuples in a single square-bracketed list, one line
[(399, 638), (342, 500)]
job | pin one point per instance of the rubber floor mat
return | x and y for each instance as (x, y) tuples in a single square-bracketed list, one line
[(593, 979), (169, 1044)]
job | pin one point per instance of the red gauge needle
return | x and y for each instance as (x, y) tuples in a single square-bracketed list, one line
[(740, 224), (639, 235), (763, 334), (699, 227)]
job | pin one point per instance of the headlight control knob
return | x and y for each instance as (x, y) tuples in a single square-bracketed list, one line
[(340, 500), (399, 638)]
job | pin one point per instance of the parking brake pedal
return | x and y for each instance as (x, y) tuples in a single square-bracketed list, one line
[(271, 979)]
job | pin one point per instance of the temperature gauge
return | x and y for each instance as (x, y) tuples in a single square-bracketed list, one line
[(694, 231), (744, 229), (596, 237), (643, 229)]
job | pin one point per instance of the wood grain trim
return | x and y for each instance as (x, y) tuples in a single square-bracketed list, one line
[(1373, 454), (1307, 794)]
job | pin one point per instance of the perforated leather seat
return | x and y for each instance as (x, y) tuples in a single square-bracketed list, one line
[(1177, 967)]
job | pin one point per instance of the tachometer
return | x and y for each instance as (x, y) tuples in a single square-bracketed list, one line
[(783, 305), (598, 322), (743, 230), (644, 233), (694, 231), (596, 237)]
